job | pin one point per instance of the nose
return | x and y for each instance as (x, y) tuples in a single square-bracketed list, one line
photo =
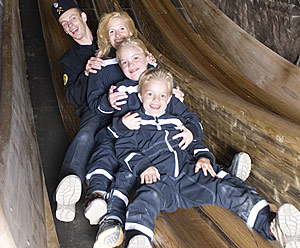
[(70, 24), (155, 98), (117, 34)]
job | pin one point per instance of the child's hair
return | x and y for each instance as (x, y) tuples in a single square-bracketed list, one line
[(132, 41), (156, 74), (102, 31)]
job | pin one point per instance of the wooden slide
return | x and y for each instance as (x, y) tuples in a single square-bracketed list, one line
[(231, 124), (222, 54)]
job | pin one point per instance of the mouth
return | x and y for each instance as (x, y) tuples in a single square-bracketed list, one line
[(134, 70), (155, 106), (119, 41), (74, 30)]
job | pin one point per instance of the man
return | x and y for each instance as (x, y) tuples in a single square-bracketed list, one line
[(76, 64)]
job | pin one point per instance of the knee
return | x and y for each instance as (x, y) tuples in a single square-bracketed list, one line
[(85, 137)]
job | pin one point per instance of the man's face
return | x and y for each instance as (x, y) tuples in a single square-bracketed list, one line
[(117, 31), (74, 24)]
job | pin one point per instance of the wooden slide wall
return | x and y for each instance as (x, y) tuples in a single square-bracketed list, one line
[(24, 209)]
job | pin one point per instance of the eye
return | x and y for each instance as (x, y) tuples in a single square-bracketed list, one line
[(149, 94), (163, 96), (123, 63), (111, 32), (136, 58), (122, 29), (73, 18)]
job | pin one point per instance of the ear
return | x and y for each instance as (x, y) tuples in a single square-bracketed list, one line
[(84, 16), (169, 99), (139, 95)]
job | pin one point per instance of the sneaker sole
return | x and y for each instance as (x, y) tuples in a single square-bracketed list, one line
[(242, 166), (138, 242), (95, 211), (112, 237), (67, 195), (289, 222)]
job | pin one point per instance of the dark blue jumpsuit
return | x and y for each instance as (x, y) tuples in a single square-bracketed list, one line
[(104, 164), (179, 186)]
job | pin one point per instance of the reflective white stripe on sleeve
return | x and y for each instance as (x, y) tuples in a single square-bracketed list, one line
[(222, 174), (113, 61), (201, 150), (113, 133), (128, 158)]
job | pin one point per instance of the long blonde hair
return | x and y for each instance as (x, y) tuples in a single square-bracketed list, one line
[(102, 31)]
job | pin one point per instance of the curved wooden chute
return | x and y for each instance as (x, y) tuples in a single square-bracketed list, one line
[(25, 214), (222, 54)]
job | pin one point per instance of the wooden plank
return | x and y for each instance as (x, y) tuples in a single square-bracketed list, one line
[(265, 79), (60, 43), (22, 216), (275, 76)]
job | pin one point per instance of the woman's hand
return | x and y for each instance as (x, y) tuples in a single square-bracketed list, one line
[(115, 97), (178, 93)]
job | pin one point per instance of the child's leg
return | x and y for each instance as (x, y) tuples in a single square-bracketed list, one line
[(228, 192), (100, 173), (110, 233), (73, 168), (149, 200)]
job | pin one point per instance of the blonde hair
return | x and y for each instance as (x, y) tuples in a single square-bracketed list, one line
[(131, 41), (102, 31), (156, 74)]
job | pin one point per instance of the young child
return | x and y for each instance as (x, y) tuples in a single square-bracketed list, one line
[(172, 178), (133, 59), (103, 163)]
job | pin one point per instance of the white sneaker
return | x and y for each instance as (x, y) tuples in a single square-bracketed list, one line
[(67, 194), (286, 226), (95, 208), (139, 241), (240, 166)]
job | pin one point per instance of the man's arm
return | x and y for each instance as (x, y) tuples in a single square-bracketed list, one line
[(75, 84)]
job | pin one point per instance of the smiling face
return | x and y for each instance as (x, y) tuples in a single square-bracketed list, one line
[(74, 24), (117, 31), (155, 96), (133, 61)]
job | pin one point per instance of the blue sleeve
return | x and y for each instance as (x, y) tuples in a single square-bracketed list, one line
[(97, 92), (179, 109), (75, 84), (200, 151)]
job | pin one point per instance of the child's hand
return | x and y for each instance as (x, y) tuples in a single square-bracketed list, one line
[(132, 121), (152, 59), (150, 175), (204, 164), (114, 98), (94, 64), (186, 135), (178, 93)]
